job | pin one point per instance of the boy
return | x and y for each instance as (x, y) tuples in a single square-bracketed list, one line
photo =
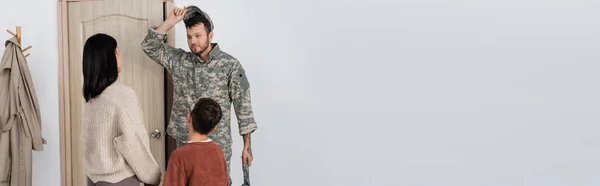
[(199, 162)]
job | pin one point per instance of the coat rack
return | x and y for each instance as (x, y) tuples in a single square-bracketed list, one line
[(18, 36)]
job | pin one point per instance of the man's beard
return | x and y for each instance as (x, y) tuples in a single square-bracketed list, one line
[(202, 49)]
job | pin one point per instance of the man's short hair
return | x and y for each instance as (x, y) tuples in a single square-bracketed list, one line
[(197, 18), (206, 115)]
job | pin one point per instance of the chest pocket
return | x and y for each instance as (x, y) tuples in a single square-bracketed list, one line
[(186, 71), (188, 80), (219, 75)]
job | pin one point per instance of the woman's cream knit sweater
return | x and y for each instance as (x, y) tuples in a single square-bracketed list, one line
[(115, 140)]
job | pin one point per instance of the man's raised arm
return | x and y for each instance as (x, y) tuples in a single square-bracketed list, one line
[(154, 43)]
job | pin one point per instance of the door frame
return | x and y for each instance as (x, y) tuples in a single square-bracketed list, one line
[(63, 81)]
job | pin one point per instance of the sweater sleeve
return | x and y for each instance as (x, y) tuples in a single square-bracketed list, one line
[(224, 170), (175, 175), (133, 143)]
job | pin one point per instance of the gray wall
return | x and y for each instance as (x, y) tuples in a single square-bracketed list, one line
[(414, 92)]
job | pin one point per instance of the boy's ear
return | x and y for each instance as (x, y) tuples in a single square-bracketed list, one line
[(214, 128), (189, 118)]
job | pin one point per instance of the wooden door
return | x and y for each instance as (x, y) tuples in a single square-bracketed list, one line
[(127, 21)]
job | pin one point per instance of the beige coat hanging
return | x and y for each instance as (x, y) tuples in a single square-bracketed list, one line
[(20, 120)]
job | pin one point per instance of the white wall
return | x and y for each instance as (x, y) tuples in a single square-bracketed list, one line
[(391, 93), (417, 92), (39, 29)]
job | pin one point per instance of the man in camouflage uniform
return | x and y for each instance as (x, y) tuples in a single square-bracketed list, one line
[(205, 72)]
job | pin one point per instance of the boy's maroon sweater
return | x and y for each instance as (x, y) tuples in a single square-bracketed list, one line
[(197, 164)]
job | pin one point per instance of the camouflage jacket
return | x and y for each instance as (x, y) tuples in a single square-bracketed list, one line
[(222, 78)]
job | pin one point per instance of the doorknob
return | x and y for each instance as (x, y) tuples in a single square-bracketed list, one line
[(156, 134)]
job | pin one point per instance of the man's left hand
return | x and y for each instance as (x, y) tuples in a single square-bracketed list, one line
[(247, 157)]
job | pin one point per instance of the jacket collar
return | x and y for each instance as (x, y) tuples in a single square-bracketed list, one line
[(213, 53)]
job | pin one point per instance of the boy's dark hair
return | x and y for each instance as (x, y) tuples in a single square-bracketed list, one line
[(99, 65), (197, 18), (206, 115)]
